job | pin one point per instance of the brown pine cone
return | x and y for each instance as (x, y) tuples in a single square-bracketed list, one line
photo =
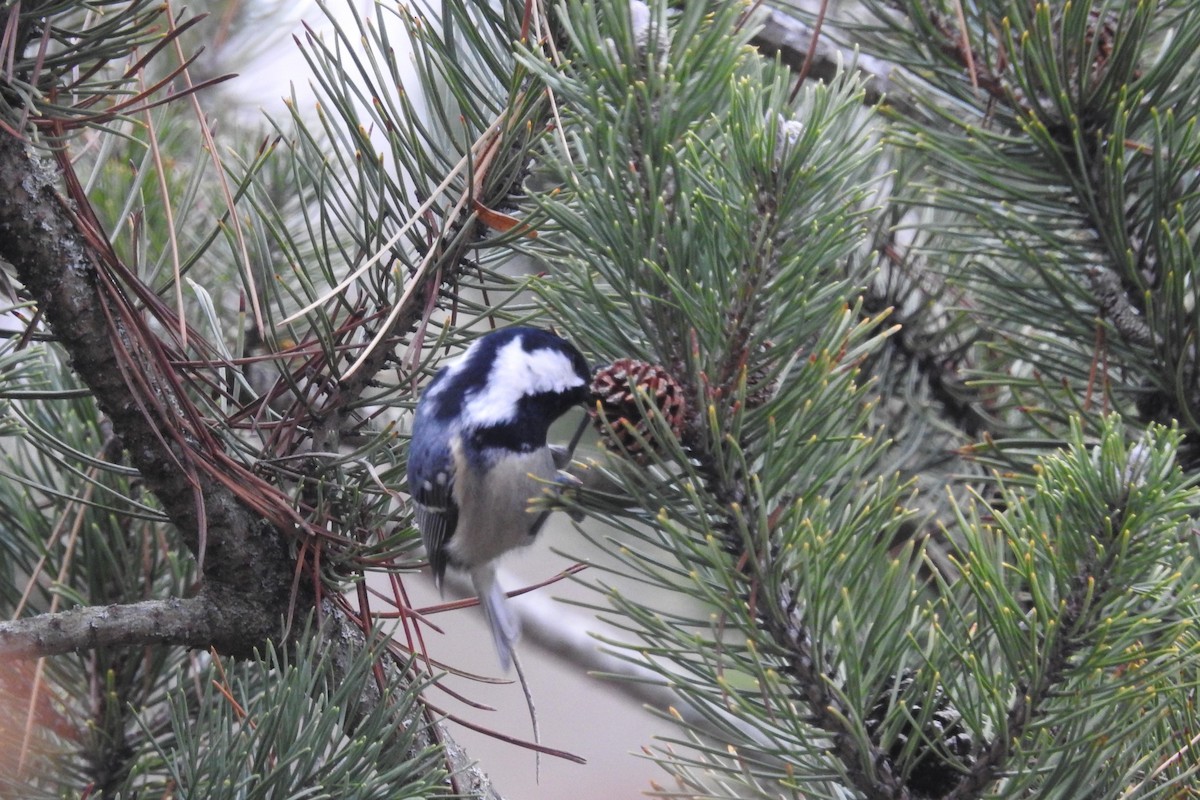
[(622, 425)]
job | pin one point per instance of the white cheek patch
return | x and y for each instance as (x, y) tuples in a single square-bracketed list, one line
[(516, 373)]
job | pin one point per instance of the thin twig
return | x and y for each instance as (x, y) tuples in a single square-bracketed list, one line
[(810, 56)]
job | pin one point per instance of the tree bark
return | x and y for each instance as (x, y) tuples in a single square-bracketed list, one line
[(248, 570), (249, 574)]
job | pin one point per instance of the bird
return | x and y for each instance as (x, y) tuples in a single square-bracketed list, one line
[(479, 454)]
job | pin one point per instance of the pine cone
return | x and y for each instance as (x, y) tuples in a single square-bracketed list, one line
[(621, 423), (937, 769)]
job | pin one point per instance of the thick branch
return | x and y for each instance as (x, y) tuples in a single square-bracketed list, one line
[(249, 571), (245, 557), (197, 622), (174, 621)]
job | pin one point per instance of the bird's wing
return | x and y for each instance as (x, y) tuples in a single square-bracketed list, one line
[(435, 510)]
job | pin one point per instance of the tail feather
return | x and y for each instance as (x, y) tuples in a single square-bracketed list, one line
[(505, 626)]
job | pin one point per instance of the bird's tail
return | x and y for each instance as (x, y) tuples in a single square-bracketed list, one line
[(506, 628)]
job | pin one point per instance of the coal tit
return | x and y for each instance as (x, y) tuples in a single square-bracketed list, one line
[(479, 455)]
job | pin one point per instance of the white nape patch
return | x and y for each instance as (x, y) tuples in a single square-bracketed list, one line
[(452, 369), (514, 374)]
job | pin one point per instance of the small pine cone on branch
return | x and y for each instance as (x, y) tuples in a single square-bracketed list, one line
[(622, 424), (945, 745)]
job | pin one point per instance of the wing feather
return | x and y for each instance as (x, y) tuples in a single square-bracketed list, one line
[(434, 508)]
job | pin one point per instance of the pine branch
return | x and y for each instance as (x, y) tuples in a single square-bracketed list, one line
[(191, 622), (1064, 172), (829, 714), (248, 570), (1028, 698), (238, 527), (780, 619), (1070, 590)]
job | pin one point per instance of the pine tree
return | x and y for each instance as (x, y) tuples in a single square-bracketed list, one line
[(896, 379)]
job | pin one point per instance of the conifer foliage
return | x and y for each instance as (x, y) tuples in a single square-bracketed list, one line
[(895, 401)]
